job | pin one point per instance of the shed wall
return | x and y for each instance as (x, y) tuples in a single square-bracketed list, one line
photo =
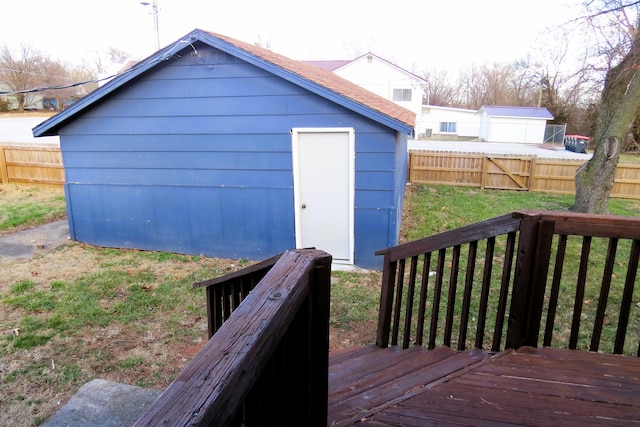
[(195, 157), (516, 129)]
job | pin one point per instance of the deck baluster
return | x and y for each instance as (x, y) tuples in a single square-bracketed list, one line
[(397, 309), (484, 293), (504, 291), (604, 294), (627, 296), (451, 296), (409, 303), (555, 290), (426, 263), (466, 298), (437, 291), (579, 299)]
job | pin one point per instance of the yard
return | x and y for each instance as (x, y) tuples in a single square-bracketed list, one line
[(81, 312)]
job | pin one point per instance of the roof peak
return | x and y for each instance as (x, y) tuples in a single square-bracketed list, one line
[(322, 82)]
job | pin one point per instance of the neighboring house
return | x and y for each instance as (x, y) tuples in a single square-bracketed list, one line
[(436, 121), (382, 78), (218, 147), (34, 101), (496, 124), (513, 124)]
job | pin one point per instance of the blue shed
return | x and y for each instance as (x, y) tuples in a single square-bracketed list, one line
[(217, 147)]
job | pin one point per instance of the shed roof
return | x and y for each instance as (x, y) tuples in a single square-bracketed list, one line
[(521, 112), (314, 79)]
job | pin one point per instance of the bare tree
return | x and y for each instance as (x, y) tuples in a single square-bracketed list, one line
[(500, 84), (102, 62), (439, 89), (65, 84), (619, 105), (21, 72)]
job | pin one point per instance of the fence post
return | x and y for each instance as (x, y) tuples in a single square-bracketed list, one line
[(532, 173), (3, 165), (532, 265), (485, 170), (318, 368)]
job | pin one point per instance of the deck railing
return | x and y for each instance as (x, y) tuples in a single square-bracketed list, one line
[(552, 278), (267, 364), (224, 294)]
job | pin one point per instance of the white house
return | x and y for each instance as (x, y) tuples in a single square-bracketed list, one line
[(381, 77), (437, 121), (513, 124), (34, 101), (496, 124)]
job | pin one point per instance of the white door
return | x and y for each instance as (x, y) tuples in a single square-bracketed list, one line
[(323, 181)]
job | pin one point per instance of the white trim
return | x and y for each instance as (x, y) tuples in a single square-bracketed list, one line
[(295, 132)]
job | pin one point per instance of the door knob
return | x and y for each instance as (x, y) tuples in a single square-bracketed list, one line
[(304, 206)]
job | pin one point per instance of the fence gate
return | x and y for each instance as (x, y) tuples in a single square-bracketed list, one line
[(507, 173), (554, 134)]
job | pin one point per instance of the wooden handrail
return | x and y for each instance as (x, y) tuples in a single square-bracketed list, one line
[(224, 294), (467, 290), (276, 339), (478, 231)]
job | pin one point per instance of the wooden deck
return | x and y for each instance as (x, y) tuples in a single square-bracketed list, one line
[(530, 386), (513, 282)]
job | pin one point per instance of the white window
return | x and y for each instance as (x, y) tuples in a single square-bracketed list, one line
[(402, 94), (448, 127)]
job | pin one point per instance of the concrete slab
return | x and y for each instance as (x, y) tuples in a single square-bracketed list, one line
[(25, 244), (101, 403)]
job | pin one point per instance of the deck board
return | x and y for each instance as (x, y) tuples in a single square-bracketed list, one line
[(527, 387)]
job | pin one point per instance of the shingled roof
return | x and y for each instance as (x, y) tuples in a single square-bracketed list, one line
[(313, 78), (330, 65), (328, 80)]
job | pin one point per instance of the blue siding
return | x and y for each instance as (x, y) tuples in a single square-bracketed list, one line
[(236, 142), (219, 106), (370, 236), (195, 157), (182, 177), (181, 160), (229, 223), (205, 125)]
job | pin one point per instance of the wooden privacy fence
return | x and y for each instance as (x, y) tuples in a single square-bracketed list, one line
[(41, 165), (507, 172)]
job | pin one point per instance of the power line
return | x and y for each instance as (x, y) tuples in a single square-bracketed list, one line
[(170, 52), (66, 86), (33, 73)]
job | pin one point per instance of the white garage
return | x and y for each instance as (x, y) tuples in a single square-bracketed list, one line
[(513, 124)]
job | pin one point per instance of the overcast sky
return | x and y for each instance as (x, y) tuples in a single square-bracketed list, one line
[(418, 35)]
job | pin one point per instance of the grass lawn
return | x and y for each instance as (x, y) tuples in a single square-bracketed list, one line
[(81, 312), (22, 206)]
